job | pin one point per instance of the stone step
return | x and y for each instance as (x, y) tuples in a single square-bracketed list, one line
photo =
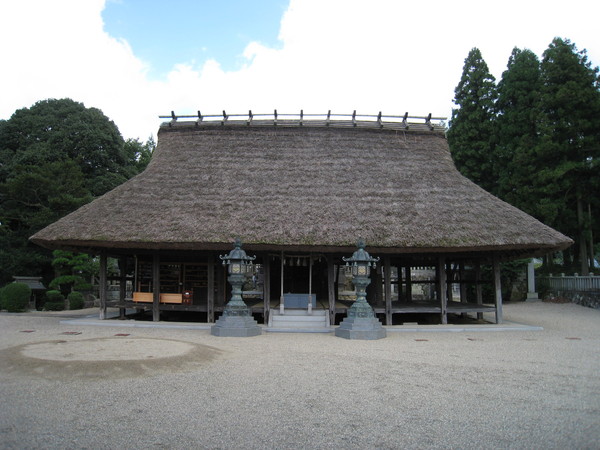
[(306, 318), (299, 321), (300, 312)]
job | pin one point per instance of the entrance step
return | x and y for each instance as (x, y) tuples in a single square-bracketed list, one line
[(299, 321)]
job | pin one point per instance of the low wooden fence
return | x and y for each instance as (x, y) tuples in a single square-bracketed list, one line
[(573, 283)]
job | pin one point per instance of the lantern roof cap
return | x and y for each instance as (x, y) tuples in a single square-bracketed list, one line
[(361, 255), (237, 254)]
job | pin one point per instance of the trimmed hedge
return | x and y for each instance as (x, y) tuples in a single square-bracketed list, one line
[(55, 301), (76, 300), (15, 297)]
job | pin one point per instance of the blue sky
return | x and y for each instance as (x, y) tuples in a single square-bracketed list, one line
[(166, 33), (136, 60)]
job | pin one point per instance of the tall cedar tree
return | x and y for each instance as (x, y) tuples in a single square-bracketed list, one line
[(516, 129), (54, 157), (569, 147), (470, 133)]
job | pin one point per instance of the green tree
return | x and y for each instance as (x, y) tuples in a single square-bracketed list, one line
[(64, 130), (33, 197), (55, 157), (569, 146), (516, 130), (73, 271), (139, 154), (470, 134)]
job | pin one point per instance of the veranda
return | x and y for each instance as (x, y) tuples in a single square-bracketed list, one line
[(404, 288)]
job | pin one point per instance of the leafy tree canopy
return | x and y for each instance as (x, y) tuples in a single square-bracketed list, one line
[(55, 157)]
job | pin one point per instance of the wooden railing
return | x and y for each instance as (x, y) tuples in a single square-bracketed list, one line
[(573, 283), (378, 120)]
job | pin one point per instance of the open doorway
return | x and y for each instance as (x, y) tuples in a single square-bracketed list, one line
[(298, 277)]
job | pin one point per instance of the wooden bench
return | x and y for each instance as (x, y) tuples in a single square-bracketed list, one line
[(148, 297)]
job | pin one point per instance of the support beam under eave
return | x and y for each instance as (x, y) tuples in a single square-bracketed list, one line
[(387, 275), (210, 286), (156, 287), (442, 289), (102, 288), (408, 278), (266, 287), (122, 285), (462, 281), (331, 289), (478, 288), (497, 290)]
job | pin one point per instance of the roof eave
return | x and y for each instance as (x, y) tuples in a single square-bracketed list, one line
[(125, 247)]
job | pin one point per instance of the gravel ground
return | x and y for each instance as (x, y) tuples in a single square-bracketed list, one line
[(166, 388)]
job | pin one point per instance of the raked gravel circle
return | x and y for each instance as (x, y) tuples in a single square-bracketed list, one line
[(106, 349)]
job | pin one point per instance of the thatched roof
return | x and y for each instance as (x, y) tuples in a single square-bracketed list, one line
[(310, 187)]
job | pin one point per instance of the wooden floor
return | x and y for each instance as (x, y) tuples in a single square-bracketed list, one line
[(423, 307), (341, 307)]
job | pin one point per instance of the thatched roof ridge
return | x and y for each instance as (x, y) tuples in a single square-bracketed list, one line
[(301, 187)]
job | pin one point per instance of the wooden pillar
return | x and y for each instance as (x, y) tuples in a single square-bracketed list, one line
[(449, 280), (266, 287), (387, 279), (478, 288), (310, 287), (221, 296), (442, 287), (408, 277), (122, 285), (281, 297), (102, 289), (399, 282), (462, 281), (497, 291), (156, 287), (331, 289), (210, 286), (379, 288)]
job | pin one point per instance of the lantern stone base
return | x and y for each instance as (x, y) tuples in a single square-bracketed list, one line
[(364, 328), (235, 326)]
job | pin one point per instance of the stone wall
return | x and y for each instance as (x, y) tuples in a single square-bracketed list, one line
[(589, 299)]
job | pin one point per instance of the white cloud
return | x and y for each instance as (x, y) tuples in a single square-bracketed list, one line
[(387, 55)]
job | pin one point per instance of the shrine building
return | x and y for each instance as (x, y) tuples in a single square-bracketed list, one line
[(299, 191)]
